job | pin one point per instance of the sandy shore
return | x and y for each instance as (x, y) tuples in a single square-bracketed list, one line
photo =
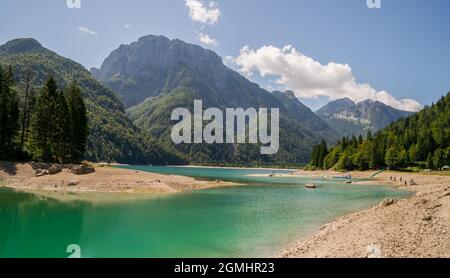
[(21, 176), (417, 227)]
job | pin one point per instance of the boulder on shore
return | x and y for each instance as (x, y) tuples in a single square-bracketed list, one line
[(82, 170), (42, 169), (54, 169), (40, 172)]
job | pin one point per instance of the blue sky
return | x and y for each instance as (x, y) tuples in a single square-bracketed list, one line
[(400, 51)]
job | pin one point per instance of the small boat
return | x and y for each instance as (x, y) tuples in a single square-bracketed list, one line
[(310, 186)]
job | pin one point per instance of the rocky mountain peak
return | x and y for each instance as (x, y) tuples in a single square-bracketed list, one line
[(349, 118)]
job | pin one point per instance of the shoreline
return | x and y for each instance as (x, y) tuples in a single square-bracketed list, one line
[(237, 168), (21, 176), (415, 227)]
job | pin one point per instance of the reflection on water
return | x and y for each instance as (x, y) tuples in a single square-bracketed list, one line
[(253, 220)]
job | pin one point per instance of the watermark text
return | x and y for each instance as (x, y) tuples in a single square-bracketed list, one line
[(238, 124)]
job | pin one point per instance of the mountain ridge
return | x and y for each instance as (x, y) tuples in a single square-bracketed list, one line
[(349, 118), (419, 141), (113, 137), (155, 75)]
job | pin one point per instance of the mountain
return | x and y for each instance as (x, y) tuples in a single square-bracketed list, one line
[(19, 46), (349, 118), (421, 140), (155, 65), (113, 137), (304, 114), (155, 75), (336, 106)]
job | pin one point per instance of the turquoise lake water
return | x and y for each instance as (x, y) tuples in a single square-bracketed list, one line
[(255, 220)]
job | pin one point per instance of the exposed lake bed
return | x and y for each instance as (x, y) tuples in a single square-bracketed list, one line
[(259, 218)]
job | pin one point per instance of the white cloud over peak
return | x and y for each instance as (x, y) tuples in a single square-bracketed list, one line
[(206, 39), (203, 12), (310, 79), (87, 31)]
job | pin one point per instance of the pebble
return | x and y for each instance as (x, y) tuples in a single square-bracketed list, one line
[(427, 218)]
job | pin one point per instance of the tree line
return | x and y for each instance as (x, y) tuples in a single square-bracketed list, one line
[(421, 140), (49, 126)]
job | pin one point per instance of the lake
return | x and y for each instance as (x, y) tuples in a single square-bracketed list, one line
[(258, 219)]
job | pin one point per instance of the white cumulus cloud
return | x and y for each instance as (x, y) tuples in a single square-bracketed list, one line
[(203, 12), (87, 31), (310, 79), (206, 39)]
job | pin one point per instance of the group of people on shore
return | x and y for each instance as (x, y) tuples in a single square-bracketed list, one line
[(412, 182)]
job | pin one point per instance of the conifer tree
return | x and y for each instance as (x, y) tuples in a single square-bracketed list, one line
[(26, 109), (323, 152), (43, 124), (78, 121), (9, 113), (61, 135), (315, 156), (3, 112)]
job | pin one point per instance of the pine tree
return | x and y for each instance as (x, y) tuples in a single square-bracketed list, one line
[(323, 152), (43, 124), (354, 142), (360, 139), (61, 135), (344, 143), (378, 151), (9, 113), (26, 110), (315, 156), (78, 121), (3, 113), (32, 99)]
